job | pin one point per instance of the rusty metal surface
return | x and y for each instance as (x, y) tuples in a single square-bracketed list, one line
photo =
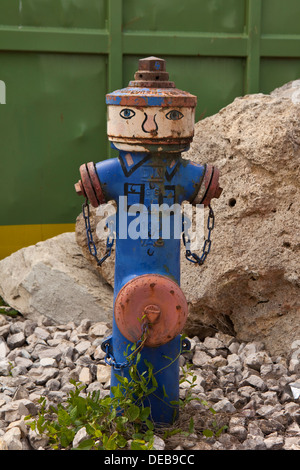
[(210, 188), (204, 185), (152, 73), (146, 96), (154, 140), (89, 185), (95, 182), (151, 87), (153, 64), (152, 313), (80, 189), (214, 190), (153, 298)]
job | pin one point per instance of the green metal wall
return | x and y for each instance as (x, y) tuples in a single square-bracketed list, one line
[(58, 58)]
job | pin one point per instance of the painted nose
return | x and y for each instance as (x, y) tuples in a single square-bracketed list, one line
[(149, 124)]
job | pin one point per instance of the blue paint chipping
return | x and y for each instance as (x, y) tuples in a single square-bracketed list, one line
[(116, 97)]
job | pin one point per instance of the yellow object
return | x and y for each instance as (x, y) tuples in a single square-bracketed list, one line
[(14, 237)]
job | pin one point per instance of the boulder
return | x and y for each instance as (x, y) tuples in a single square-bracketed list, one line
[(249, 284), (54, 279), (107, 269)]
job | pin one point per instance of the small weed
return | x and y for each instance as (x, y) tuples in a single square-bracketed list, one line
[(113, 422), (5, 309), (110, 422)]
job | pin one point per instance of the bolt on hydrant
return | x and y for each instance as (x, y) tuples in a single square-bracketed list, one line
[(150, 123)]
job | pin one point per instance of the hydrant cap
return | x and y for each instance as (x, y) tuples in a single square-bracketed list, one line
[(151, 87), (156, 300)]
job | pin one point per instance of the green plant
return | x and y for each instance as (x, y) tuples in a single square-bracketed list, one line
[(113, 421), (5, 309), (2, 302), (110, 422)]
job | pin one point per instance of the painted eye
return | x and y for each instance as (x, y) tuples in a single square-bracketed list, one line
[(174, 115), (127, 113)]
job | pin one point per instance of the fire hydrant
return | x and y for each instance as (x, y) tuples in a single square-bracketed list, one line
[(150, 123)]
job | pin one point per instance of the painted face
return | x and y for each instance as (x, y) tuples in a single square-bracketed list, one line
[(149, 127)]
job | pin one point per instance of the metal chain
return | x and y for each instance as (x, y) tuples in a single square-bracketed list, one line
[(110, 359), (193, 257), (90, 241)]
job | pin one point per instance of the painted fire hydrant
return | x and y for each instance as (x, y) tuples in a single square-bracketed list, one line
[(150, 123)]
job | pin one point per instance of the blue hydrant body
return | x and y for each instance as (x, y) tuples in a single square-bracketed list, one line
[(145, 256), (149, 173)]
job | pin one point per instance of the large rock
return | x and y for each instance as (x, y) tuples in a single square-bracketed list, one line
[(54, 279), (107, 269), (249, 284)]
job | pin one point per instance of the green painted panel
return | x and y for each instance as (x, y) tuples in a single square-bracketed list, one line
[(54, 120), (280, 17), (215, 81), (56, 13), (74, 51), (188, 15), (277, 72)]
